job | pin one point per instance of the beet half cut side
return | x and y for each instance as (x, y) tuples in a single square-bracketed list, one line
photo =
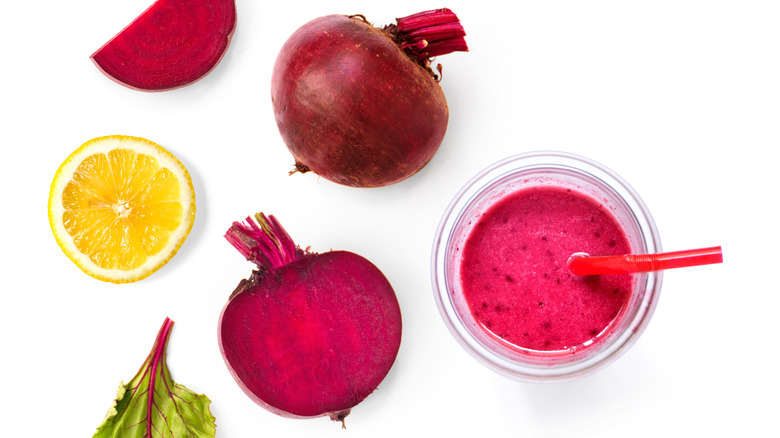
[(307, 334), (172, 44), (359, 105)]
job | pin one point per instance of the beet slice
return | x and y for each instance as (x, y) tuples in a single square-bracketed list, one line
[(172, 44), (307, 334)]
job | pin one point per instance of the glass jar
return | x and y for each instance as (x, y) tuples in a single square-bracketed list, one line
[(491, 185)]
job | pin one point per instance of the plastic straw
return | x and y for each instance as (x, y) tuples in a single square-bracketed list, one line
[(583, 264)]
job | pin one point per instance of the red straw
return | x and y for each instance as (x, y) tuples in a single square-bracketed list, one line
[(583, 264)]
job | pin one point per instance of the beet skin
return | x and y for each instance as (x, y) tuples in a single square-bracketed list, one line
[(308, 334)]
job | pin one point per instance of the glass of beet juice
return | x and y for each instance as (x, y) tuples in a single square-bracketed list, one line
[(500, 274)]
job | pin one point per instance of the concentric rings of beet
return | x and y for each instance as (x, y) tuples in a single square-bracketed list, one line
[(170, 45)]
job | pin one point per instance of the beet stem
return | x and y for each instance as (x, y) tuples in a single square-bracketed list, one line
[(264, 243), (157, 355), (426, 18), (431, 33), (439, 32)]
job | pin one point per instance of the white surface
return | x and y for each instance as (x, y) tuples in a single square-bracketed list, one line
[(681, 98)]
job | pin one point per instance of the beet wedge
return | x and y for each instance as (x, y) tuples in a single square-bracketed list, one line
[(172, 44), (307, 334)]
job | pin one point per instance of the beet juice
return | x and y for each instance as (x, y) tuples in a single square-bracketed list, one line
[(500, 273), (514, 274)]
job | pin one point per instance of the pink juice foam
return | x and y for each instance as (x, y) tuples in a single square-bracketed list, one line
[(514, 275)]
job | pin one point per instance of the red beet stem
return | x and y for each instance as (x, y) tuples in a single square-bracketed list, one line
[(157, 356), (426, 18), (431, 33), (264, 243)]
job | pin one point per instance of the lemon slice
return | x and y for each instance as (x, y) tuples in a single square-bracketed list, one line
[(120, 207)]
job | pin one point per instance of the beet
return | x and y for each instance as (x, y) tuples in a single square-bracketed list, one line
[(172, 44), (307, 334), (359, 105)]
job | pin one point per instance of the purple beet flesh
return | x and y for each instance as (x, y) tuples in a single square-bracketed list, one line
[(172, 44), (307, 334)]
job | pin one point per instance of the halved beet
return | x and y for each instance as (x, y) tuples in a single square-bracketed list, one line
[(307, 334), (172, 44)]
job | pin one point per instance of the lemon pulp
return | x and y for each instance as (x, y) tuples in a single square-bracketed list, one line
[(120, 207)]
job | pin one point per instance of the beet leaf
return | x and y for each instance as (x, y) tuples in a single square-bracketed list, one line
[(152, 405)]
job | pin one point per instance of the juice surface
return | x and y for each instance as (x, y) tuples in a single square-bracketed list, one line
[(514, 274)]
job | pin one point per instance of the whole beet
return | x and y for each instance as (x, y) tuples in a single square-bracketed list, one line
[(359, 105)]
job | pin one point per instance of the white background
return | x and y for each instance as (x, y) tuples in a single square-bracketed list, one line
[(681, 98)]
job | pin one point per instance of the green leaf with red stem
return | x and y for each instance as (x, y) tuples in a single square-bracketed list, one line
[(152, 405)]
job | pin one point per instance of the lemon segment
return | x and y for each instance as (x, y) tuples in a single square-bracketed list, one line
[(120, 207)]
